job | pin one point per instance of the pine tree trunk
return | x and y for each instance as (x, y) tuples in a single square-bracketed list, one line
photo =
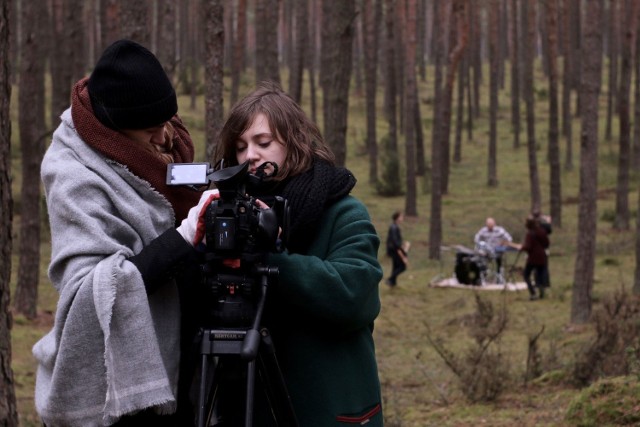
[(133, 15), (492, 163), (555, 184), (335, 72), (371, 9), (567, 70), (614, 42), (528, 90), (298, 53), (267, 41), (239, 50), (213, 11), (32, 136), (591, 72), (622, 218), (8, 408), (515, 74), (435, 216), (411, 89)]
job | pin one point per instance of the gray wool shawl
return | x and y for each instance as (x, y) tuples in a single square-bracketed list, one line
[(113, 349)]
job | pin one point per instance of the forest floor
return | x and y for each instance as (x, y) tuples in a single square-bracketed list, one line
[(419, 388)]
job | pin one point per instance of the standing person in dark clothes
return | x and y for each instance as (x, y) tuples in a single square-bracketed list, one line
[(543, 220), (395, 249), (536, 242)]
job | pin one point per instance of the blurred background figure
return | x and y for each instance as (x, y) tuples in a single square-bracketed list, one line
[(396, 249), (494, 240)]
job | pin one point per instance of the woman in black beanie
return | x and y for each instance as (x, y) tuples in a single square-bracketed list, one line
[(122, 244)]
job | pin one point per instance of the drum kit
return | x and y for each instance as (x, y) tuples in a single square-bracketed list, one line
[(476, 266)]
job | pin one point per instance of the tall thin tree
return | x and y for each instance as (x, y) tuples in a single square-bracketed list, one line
[(435, 216), (389, 184), (411, 89), (492, 158), (461, 30), (32, 135), (372, 16), (335, 72), (267, 40), (555, 185), (567, 76), (299, 49), (636, 278), (239, 49), (213, 12), (591, 75), (613, 53), (8, 407), (458, 44), (529, 12), (166, 50), (65, 28), (457, 144), (515, 73), (635, 144), (622, 217)]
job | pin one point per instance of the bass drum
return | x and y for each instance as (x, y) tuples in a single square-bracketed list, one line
[(467, 270)]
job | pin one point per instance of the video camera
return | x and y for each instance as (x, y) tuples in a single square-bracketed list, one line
[(239, 235)]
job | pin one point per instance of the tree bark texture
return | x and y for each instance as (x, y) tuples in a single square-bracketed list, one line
[(133, 21), (555, 184), (591, 74), (239, 50), (299, 48), (529, 56), (335, 72), (492, 159), (213, 10), (635, 145), (372, 17), (567, 70), (8, 408), (166, 50), (613, 50), (515, 74), (267, 41), (411, 89), (435, 216), (623, 214), (32, 135)]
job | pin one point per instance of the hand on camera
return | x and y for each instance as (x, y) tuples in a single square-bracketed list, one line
[(192, 227)]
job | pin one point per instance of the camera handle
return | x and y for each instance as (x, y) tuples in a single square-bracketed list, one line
[(251, 340)]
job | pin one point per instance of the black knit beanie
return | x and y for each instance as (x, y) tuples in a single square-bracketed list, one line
[(129, 89)]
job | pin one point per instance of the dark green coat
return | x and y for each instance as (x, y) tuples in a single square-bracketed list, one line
[(321, 315)]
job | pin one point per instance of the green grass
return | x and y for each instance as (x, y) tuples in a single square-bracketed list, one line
[(418, 388)]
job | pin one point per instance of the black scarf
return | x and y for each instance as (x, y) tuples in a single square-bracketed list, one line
[(308, 196)]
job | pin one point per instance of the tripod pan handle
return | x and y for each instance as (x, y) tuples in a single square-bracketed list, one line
[(250, 345)]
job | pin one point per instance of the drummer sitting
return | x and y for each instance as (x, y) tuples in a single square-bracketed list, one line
[(494, 238)]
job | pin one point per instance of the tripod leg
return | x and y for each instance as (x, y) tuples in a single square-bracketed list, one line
[(251, 381), (276, 389), (202, 401)]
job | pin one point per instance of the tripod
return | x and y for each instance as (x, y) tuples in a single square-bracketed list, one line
[(252, 347)]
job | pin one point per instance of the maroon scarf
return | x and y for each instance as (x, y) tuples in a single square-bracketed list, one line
[(142, 163)]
